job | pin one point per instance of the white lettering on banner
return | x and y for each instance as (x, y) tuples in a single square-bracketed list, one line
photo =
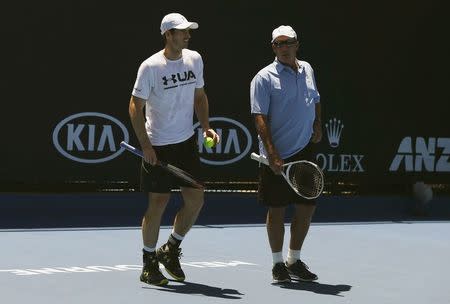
[(93, 142), (338, 162), (235, 142), (73, 137), (92, 269), (423, 155), (107, 135)]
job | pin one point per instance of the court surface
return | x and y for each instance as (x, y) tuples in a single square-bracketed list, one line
[(378, 262)]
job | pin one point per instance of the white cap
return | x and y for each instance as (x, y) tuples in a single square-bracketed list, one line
[(283, 30), (176, 21)]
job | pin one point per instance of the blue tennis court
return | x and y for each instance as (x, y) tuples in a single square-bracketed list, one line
[(404, 261), (356, 263)]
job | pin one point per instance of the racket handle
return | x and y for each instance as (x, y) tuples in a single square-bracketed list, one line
[(259, 158), (131, 149)]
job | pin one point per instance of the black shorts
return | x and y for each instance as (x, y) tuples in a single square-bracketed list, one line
[(183, 155), (274, 191)]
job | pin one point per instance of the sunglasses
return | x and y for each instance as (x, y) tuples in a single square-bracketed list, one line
[(289, 42)]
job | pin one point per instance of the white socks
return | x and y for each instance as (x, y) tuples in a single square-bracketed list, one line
[(177, 236), (293, 256), (277, 257), (174, 239), (149, 249)]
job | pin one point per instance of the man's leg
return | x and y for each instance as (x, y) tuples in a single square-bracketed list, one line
[(275, 233), (186, 216), (299, 229), (300, 225), (151, 221), (150, 231), (275, 228)]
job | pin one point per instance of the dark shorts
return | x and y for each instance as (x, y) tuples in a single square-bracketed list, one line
[(274, 191), (183, 155)]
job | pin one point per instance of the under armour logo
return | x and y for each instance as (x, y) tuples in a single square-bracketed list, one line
[(179, 77), (173, 78)]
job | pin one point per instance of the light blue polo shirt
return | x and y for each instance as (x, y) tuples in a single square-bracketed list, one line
[(288, 99)]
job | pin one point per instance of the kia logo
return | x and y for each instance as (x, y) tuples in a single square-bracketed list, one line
[(90, 137), (235, 142)]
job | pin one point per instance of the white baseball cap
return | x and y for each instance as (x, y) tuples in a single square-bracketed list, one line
[(283, 30), (176, 21)]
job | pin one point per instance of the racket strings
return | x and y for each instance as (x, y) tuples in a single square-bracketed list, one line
[(307, 179)]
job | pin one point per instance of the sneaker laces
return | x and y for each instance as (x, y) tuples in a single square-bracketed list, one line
[(173, 252), (279, 267), (304, 265), (176, 253)]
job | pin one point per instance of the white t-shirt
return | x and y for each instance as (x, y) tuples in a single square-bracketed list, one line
[(168, 87)]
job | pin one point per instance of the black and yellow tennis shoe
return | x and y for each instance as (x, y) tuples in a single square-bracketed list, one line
[(150, 271), (169, 255)]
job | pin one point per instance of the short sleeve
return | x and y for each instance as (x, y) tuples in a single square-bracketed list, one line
[(200, 83), (259, 95), (312, 87), (144, 82)]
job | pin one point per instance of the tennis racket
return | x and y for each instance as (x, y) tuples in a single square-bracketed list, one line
[(168, 167), (304, 177)]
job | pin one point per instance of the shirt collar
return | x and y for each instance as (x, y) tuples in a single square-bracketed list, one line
[(280, 67)]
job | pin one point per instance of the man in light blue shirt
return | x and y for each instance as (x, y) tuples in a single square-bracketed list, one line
[(286, 106)]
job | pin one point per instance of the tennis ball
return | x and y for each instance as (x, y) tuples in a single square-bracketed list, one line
[(209, 142)]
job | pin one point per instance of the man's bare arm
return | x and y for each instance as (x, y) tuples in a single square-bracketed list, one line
[(135, 109)]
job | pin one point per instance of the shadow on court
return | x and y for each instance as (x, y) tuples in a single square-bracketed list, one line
[(320, 288), (199, 289)]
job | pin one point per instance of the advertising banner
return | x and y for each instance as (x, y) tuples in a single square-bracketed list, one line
[(69, 71)]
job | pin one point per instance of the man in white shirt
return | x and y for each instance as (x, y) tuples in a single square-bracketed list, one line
[(169, 85)]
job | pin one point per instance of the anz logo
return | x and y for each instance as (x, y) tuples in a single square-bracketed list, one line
[(90, 137), (422, 154), (180, 78), (235, 142)]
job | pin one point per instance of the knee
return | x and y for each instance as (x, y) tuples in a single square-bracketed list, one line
[(310, 208), (193, 199), (196, 204), (156, 205), (276, 214), (305, 210)]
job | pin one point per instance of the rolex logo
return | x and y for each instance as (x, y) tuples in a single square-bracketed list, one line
[(334, 131)]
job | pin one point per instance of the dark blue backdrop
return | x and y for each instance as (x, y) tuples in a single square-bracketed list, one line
[(381, 68)]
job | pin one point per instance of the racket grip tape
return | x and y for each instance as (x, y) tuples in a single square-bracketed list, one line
[(259, 158), (131, 149)]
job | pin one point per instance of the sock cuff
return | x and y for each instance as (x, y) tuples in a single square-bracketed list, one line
[(277, 257), (294, 253), (149, 249), (177, 236), (293, 256)]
